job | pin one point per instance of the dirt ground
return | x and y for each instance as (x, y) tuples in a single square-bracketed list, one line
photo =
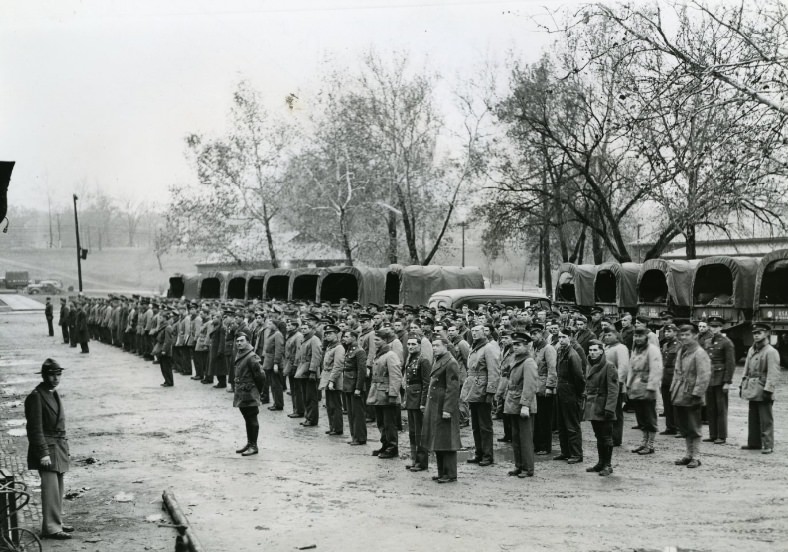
[(131, 439)]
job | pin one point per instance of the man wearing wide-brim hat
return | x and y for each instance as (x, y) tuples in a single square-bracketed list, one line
[(48, 448)]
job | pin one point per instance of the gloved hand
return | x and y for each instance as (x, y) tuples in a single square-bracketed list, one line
[(525, 411), (609, 414), (330, 385), (767, 396), (312, 376)]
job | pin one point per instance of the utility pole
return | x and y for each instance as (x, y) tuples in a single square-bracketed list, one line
[(79, 247), (640, 250), (51, 237), (59, 237)]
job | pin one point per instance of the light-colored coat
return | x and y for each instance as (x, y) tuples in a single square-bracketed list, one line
[(333, 362), (484, 370), (761, 371), (691, 376), (309, 357), (645, 372), (546, 361), (386, 379)]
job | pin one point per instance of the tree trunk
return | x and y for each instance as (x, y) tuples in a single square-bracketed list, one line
[(579, 249), (393, 245), (345, 240), (548, 277), (541, 260), (597, 248), (158, 259), (690, 240), (269, 238), (408, 225)]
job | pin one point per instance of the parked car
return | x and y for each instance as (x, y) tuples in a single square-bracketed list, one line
[(456, 298), (45, 287)]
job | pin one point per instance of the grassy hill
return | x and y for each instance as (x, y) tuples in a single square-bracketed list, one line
[(111, 269)]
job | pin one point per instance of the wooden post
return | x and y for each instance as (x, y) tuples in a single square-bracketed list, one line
[(178, 517)]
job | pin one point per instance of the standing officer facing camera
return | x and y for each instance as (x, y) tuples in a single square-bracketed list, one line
[(48, 448)]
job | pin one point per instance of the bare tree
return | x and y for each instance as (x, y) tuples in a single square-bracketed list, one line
[(240, 181)]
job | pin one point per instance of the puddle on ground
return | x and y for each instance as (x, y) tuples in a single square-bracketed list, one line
[(14, 423), (17, 432)]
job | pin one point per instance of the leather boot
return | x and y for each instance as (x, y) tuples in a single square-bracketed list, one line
[(250, 451), (243, 449), (600, 451)]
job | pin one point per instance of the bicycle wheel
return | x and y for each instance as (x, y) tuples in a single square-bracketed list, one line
[(22, 540)]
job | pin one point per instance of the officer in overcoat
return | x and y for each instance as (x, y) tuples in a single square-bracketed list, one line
[(354, 385), (688, 391), (441, 429), (761, 372), (602, 391), (249, 381), (520, 404), (48, 448)]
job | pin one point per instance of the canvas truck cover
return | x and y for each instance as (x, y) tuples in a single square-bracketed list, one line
[(626, 276), (273, 273), (582, 277), (678, 277), (418, 282), (220, 276), (742, 269), (370, 284), (295, 274), (236, 274), (191, 286), (772, 261)]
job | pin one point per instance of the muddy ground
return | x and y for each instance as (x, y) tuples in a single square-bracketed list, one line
[(131, 439)]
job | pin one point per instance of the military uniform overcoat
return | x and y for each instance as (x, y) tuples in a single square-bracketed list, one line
[(443, 396), (249, 379), (690, 377), (601, 390)]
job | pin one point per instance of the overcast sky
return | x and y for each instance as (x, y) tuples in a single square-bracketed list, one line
[(100, 93)]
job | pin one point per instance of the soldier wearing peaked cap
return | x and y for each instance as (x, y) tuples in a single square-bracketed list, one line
[(761, 372), (723, 363), (520, 404), (48, 448)]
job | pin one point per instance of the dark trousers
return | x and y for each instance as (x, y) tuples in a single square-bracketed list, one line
[(165, 364), (418, 454), (200, 363), (277, 388), (311, 411), (717, 410), (570, 435), (522, 442), (447, 464), (760, 425), (543, 423), (645, 414), (356, 417), (296, 395), (51, 327), (688, 419), (336, 422), (603, 431), (64, 329), (186, 360), (176, 359), (386, 418), (250, 421), (228, 360), (481, 423), (618, 424), (670, 414), (507, 427), (72, 334)]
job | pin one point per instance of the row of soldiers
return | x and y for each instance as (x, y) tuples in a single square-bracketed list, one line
[(535, 370)]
